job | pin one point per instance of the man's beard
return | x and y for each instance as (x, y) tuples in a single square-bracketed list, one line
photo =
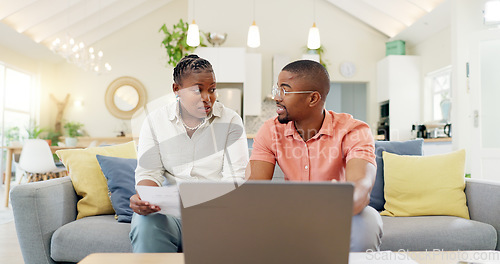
[(284, 120)]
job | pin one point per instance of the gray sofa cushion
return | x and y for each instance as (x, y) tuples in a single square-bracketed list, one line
[(420, 233), (75, 240)]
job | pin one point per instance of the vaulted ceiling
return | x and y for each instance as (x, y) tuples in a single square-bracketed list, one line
[(43, 21)]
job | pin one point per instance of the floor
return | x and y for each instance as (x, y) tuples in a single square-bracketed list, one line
[(10, 252)]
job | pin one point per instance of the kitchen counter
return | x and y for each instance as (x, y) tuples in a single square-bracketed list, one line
[(443, 139)]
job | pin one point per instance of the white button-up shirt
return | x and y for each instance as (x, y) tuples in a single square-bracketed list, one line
[(218, 150)]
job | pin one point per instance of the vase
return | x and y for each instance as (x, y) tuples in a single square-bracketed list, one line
[(71, 141)]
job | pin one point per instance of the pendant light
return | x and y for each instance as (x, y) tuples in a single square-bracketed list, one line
[(253, 39), (313, 40), (193, 34)]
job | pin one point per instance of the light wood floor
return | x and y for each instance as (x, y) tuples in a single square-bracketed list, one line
[(10, 252)]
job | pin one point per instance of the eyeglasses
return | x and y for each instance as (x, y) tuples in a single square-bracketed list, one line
[(279, 92)]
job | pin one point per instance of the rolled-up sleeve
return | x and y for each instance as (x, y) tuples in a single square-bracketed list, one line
[(358, 143), (262, 148)]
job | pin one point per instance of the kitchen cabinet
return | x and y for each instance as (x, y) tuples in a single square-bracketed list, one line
[(235, 68), (252, 88), (398, 81), (228, 63)]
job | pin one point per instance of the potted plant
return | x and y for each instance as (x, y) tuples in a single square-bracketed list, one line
[(51, 136), (320, 51), (73, 130), (12, 136), (34, 131), (175, 42)]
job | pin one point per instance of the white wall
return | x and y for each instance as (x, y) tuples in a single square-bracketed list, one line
[(133, 51), (435, 53), (467, 22)]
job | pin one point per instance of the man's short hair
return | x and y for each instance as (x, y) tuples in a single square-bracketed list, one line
[(312, 71)]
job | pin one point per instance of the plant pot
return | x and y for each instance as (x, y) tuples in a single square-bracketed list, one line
[(71, 141)]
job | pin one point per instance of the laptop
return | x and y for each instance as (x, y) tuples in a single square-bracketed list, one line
[(266, 222)]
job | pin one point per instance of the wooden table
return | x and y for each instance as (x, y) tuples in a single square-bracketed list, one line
[(421, 257), (11, 150)]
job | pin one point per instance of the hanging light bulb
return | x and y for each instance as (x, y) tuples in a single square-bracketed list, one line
[(313, 40), (253, 40), (193, 35)]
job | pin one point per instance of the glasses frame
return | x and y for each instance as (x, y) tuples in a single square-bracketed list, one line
[(275, 92)]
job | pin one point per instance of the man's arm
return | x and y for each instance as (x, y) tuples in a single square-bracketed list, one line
[(362, 174), (259, 170)]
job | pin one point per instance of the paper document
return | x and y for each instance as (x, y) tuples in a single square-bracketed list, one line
[(166, 197)]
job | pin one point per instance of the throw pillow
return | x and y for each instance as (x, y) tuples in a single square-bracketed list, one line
[(410, 147), (120, 174), (87, 177), (426, 185)]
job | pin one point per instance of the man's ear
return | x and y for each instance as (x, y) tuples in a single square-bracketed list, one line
[(314, 98)]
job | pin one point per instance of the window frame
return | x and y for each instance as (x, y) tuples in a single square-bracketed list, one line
[(431, 92)]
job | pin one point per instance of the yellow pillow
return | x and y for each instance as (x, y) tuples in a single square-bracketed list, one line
[(87, 177), (425, 185)]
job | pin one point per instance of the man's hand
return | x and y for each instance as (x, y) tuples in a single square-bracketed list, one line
[(142, 207)]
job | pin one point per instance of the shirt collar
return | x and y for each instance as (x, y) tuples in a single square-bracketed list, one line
[(326, 127), (173, 110)]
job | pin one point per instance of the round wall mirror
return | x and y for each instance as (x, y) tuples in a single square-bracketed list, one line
[(124, 96)]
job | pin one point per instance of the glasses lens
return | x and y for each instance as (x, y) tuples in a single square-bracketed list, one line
[(275, 92)]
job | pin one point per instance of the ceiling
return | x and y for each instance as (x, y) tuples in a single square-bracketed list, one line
[(42, 21)]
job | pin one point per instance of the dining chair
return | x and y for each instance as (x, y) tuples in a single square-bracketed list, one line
[(37, 161)]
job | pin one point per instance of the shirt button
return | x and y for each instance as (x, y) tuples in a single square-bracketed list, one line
[(307, 167)]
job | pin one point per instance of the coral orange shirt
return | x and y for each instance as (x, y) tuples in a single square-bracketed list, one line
[(324, 156)]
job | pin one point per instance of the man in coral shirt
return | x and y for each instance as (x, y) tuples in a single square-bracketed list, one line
[(313, 144)]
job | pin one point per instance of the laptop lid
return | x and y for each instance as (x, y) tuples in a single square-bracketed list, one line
[(267, 222)]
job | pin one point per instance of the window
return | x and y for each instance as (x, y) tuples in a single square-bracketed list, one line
[(16, 105), (440, 89)]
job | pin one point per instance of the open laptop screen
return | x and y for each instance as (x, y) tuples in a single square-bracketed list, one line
[(268, 222)]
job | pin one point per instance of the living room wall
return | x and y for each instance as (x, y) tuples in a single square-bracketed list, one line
[(132, 51), (435, 53)]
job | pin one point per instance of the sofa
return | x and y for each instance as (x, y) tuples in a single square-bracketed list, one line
[(45, 217)]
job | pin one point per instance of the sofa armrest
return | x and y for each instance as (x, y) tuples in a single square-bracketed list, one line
[(483, 198), (39, 209)]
